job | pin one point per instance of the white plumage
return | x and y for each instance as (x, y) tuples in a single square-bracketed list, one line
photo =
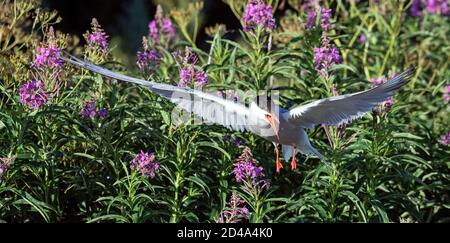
[(290, 124), (340, 109)]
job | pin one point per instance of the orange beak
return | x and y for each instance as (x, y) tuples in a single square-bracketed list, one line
[(272, 122)]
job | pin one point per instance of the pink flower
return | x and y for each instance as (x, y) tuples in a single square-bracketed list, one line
[(148, 60), (445, 139), (362, 38), (389, 103), (161, 28), (235, 211), (186, 76), (189, 75), (5, 163), (258, 14), (201, 79), (48, 54), (311, 22), (245, 171), (167, 28), (447, 93), (98, 37), (416, 8), (439, 7), (377, 81), (153, 30), (325, 19), (325, 57), (146, 164), (32, 94), (90, 110)]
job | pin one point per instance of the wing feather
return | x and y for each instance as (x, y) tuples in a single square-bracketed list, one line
[(212, 108), (345, 108)]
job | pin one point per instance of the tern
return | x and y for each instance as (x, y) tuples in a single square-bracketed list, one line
[(285, 127)]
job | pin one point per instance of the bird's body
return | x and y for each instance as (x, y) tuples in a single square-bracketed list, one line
[(293, 139), (263, 117)]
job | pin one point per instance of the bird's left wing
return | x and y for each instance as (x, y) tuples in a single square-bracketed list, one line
[(212, 108), (344, 108)]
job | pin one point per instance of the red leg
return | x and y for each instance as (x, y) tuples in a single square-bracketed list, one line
[(279, 165), (294, 161)]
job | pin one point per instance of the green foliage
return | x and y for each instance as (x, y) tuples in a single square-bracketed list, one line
[(388, 166)]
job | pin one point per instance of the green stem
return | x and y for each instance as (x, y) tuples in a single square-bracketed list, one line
[(174, 217), (74, 88), (187, 36), (393, 39)]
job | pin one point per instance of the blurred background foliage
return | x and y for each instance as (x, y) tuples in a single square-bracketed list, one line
[(127, 21)]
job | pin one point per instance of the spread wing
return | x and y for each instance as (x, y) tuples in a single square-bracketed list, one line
[(212, 108), (344, 108)]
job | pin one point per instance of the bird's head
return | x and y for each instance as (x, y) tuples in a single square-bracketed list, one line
[(265, 109)]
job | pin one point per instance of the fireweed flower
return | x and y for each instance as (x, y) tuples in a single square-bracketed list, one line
[(164, 29), (189, 75), (32, 94), (4, 164), (388, 103), (416, 8), (325, 16), (147, 60), (89, 110), (310, 4), (103, 113), (445, 139), (326, 55), (247, 172), (146, 164), (167, 28), (362, 38), (432, 6), (161, 29), (235, 211), (325, 19), (153, 30), (258, 14), (377, 81), (447, 93), (201, 78), (48, 54), (311, 21), (186, 76), (439, 7), (97, 38)]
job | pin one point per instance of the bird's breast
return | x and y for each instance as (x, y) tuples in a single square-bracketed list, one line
[(287, 134)]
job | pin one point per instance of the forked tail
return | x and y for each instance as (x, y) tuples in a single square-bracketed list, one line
[(306, 148)]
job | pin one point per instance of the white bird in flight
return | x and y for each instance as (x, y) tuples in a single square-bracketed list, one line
[(285, 127)]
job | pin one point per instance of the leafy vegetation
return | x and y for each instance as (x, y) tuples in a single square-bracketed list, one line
[(67, 147)]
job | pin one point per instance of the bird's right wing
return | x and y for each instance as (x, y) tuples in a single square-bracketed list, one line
[(212, 108)]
